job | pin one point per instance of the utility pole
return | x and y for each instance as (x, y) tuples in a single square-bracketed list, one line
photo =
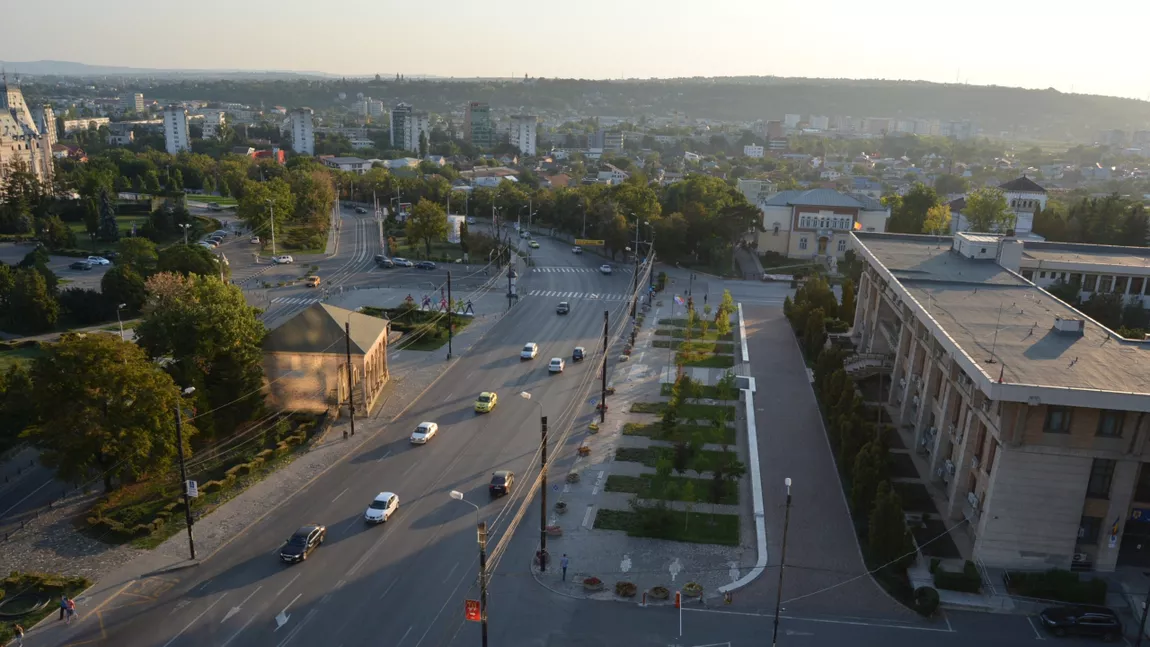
[(635, 279), (350, 386), (543, 496), (184, 472), (272, 218), (450, 308), (603, 394), (482, 532), (782, 563)]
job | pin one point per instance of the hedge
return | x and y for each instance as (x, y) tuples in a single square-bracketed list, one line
[(1057, 584), (967, 581)]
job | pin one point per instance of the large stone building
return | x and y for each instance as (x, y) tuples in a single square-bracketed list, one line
[(816, 224), (305, 360), (22, 141), (1027, 421)]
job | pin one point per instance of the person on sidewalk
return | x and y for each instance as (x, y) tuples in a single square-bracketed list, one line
[(71, 611), (19, 631), (63, 606), (563, 562)]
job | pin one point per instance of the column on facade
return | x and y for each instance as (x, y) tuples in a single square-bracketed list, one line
[(920, 421), (1121, 494), (865, 284), (905, 340), (906, 409), (940, 446), (964, 431), (871, 326)]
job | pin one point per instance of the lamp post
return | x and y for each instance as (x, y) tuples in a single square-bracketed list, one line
[(184, 226), (782, 562), (481, 534), (119, 320), (183, 470), (543, 488), (272, 220)]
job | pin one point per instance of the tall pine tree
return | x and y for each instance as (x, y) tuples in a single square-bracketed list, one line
[(109, 230)]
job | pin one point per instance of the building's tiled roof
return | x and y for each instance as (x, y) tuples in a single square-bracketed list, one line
[(1023, 184), (823, 198), (320, 329)]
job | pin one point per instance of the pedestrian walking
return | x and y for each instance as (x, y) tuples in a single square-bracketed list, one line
[(469, 308), (19, 631), (71, 610), (63, 606), (563, 562)]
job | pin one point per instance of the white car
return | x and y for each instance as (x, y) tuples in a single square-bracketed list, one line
[(99, 260), (529, 351), (423, 433), (576, 250), (556, 365), (255, 240), (604, 268), (283, 260), (381, 509), (471, 221), (402, 262)]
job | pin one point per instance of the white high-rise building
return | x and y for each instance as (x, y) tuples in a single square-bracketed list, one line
[(522, 133), (176, 130), (407, 125), (303, 131), (213, 122), (133, 102), (399, 118)]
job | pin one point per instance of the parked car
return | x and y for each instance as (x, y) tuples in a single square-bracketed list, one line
[(577, 354), (209, 243), (576, 250), (424, 432), (302, 543), (81, 265), (98, 260), (255, 240), (1098, 622), (563, 308), (530, 350), (605, 268), (425, 265), (382, 507), (501, 482), (312, 281), (402, 262), (222, 233), (383, 261), (283, 259), (557, 365), (360, 210)]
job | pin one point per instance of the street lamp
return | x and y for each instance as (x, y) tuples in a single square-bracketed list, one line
[(782, 562), (481, 533), (183, 469), (120, 321), (184, 226), (543, 488)]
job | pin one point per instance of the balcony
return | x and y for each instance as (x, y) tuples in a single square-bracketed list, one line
[(868, 364)]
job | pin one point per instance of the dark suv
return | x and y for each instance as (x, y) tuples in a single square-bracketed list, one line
[(1098, 622), (563, 308), (302, 543), (501, 482)]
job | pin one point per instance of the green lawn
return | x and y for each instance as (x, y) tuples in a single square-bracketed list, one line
[(18, 356), (421, 330), (697, 346), (695, 527), (705, 391), (26, 592), (83, 241), (687, 411), (650, 456), (654, 431), (706, 360), (432, 341), (701, 488), (208, 199), (696, 333), (301, 240)]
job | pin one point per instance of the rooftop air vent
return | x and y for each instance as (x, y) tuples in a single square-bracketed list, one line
[(1070, 326)]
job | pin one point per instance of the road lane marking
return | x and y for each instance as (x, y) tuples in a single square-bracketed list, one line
[(350, 524), (1037, 634), (445, 603), (236, 609), (830, 621), (280, 592), (340, 494), (388, 590), (195, 620), (385, 455), (245, 626), (449, 573), (295, 631), (587, 516), (404, 636)]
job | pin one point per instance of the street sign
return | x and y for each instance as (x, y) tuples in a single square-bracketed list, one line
[(193, 489), (471, 610), (586, 242)]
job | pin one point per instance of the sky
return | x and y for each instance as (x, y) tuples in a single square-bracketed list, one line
[(1054, 44)]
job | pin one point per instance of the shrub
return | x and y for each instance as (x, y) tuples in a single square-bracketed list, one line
[(925, 601), (625, 589), (968, 581), (1057, 584), (934, 562)]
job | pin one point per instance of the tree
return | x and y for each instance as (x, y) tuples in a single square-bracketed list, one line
[(427, 223), (109, 229), (986, 211), (55, 234), (868, 470), (909, 212), (85, 307), (31, 308), (815, 332), (151, 182), (124, 285), (214, 335), (117, 422), (262, 201), (847, 308), (937, 220), (947, 184), (888, 539), (188, 259), (422, 144), (17, 404), (138, 253)]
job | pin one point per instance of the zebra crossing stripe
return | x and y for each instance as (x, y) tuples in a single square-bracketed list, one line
[(294, 300)]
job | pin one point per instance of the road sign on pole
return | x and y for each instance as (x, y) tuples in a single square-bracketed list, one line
[(193, 489), (471, 610)]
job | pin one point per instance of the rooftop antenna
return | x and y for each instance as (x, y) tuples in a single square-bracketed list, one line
[(994, 344)]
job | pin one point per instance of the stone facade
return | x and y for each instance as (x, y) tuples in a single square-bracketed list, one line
[(22, 142)]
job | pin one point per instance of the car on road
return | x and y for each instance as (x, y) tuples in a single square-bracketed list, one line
[(312, 281), (81, 265), (523, 233), (533, 245), (424, 432), (382, 507), (402, 262), (557, 365), (576, 250), (425, 265), (383, 261), (283, 259), (501, 482), (1084, 620), (215, 206), (605, 268), (578, 354), (222, 233), (530, 350), (486, 402), (98, 260), (210, 243), (302, 543), (471, 221), (360, 210), (563, 308), (255, 240)]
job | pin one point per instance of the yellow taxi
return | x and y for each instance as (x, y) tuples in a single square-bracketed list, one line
[(312, 282), (486, 402), (533, 245)]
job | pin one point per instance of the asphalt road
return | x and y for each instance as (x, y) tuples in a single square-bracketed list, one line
[(403, 583)]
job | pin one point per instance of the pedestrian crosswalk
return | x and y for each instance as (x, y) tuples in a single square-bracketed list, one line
[(581, 270), (560, 294), (295, 300)]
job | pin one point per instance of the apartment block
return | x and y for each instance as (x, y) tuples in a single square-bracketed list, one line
[(1025, 418), (176, 137), (303, 131), (133, 102), (522, 133), (479, 129)]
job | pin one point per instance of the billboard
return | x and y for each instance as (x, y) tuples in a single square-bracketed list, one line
[(584, 242), (454, 223)]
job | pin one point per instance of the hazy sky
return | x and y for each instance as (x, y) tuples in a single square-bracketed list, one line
[(1085, 47)]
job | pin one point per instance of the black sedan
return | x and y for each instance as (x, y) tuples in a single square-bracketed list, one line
[(501, 482), (302, 543), (81, 265), (425, 265), (577, 355), (1097, 622)]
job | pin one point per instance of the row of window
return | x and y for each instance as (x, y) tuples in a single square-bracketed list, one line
[(842, 247), (1094, 282), (1109, 422), (822, 222), (1024, 204)]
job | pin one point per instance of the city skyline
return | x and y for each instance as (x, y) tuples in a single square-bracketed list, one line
[(898, 40)]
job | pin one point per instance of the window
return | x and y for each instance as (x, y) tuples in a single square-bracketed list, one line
[(1088, 529), (1090, 282), (1042, 275), (1104, 283), (803, 242), (1120, 284), (1028, 275), (842, 245), (1136, 284), (1057, 420), (1110, 423), (776, 229), (1101, 473), (1142, 487)]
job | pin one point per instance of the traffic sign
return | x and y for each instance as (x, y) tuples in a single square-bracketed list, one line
[(584, 242), (193, 489), (471, 610)]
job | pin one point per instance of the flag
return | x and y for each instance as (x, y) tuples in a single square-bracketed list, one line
[(857, 226), (679, 300)]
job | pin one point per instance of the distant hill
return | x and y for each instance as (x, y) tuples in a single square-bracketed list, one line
[(68, 68)]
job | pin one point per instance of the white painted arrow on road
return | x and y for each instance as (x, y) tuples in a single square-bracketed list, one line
[(236, 609), (283, 616)]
